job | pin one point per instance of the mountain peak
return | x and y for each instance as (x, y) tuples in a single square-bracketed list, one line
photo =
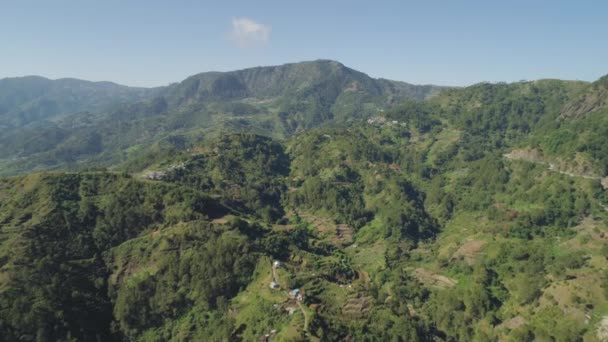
[(330, 76)]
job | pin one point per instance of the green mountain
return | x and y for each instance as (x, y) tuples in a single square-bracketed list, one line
[(25, 100), (317, 91), (275, 101), (478, 214), (591, 100)]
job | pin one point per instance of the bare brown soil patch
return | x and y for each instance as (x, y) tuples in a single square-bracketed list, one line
[(469, 251), (220, 220), (357, 307), (512, 323), (340, 235), (433, 279)]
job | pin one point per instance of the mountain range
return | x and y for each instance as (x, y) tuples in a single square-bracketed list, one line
[(25, 100), (65, 123), (304, 202)]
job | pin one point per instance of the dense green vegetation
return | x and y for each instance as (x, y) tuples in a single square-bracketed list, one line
[(248, 172), (72, 122), (479, 214), (25, 100), (80, 249)]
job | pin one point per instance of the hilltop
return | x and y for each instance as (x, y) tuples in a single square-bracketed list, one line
[(70, 124)]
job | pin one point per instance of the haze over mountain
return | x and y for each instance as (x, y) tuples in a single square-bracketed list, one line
[(50, 123), (24, 100), (303, 202)]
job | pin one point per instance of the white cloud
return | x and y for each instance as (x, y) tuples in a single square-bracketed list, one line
[(246, 32)]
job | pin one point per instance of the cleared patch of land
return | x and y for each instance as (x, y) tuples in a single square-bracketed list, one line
[(430, 278)]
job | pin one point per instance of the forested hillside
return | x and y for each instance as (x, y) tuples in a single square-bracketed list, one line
[(32, 99), (478, 214), (72, 125)]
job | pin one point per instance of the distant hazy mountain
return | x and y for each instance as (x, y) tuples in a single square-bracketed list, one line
[(32, 98), (112, 122), (295, 78), (298, 95)]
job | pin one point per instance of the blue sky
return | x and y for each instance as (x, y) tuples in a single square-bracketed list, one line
[(151, 43)]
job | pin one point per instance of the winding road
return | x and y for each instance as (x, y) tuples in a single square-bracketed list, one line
[(553, 168)]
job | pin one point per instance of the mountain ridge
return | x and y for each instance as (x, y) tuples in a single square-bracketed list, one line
[(24, 100), (276, 101), (412, 226), (320, 60)]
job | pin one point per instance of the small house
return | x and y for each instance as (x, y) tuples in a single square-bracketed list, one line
[(297, 294), (294, 293)]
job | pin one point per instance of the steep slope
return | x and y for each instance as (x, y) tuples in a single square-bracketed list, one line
[(57, 268), (291, 97), (275, 101), (593, 98), (274, 81), (575, 141)]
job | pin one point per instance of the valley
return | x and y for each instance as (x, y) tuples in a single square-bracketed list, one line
[(245, 206)]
